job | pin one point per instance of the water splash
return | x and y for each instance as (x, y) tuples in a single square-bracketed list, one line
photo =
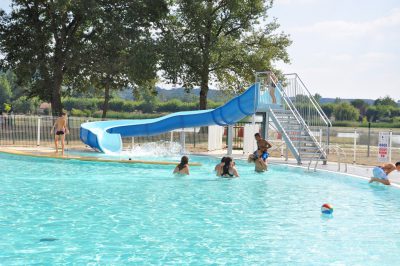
[(155, 149)]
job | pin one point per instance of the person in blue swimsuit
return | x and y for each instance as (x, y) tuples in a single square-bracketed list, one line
[(262, 148), (380, 173)]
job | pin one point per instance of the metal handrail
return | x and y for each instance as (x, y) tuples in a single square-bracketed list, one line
[(313, 101), (296, 113), (339, 152)]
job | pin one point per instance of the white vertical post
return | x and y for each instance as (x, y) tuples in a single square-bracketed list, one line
[(38, 131), (133, 141), (320, 137), (390, 145), (172, 136), (282, 149), (355, 146), (230, 139)]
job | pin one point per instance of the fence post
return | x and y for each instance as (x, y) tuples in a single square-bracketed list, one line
[(133, 142), (230, 139), (194, 137), (355, 146), (38, 131), (172, 136), (390, 145), (369, 138)]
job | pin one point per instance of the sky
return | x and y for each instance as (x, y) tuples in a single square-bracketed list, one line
[(341, 48)]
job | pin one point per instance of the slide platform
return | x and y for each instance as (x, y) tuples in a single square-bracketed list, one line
[(106, 136)]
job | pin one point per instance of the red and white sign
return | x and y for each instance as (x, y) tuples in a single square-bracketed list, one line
[(383, 147)]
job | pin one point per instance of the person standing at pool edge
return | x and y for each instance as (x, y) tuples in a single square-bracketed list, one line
[(262, 148), (61, 129), (182, 167)]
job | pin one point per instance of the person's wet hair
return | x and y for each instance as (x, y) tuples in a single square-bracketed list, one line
[(184, 161), (227, 165), (398, 163), (257, 135)]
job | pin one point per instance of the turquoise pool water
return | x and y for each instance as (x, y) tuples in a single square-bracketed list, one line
[(60, 212)]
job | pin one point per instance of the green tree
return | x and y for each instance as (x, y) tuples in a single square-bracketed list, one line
[(361, 105), (122, 53), (328, 109), (223, 41), (386, 101), (5, 90), (41, 41), (344, 111), (317, 97)]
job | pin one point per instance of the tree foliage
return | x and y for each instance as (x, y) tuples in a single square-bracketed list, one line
[(345, 111), (203, 41)]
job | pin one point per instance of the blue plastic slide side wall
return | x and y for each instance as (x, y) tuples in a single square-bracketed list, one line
[(105, 136)]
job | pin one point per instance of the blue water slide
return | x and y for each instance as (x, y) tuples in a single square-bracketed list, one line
[(105, 136)]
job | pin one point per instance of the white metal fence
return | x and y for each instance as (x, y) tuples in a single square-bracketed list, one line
[(360, 144)]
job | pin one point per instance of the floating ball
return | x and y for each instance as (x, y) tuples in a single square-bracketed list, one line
[(327, 209)]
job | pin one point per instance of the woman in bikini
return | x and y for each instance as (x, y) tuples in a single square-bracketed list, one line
[(228, 169)]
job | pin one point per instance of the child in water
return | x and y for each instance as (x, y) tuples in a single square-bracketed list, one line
[(381, 173), (183, 167)]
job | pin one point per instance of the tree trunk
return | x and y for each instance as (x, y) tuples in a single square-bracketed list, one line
[(56, 105), (203, 92), (106, 100)]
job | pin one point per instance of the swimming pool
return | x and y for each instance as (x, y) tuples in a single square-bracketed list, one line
[(59, 211)]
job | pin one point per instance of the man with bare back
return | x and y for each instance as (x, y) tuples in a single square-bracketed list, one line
[(60, 127)]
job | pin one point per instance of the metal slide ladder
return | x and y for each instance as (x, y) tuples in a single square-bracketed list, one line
[(298, 116)]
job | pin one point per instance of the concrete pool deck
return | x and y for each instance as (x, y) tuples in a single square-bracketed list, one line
[(360, 171)]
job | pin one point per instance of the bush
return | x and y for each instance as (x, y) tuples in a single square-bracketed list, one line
[(92, 104), (23, 105), (81, 113), (119, 115)]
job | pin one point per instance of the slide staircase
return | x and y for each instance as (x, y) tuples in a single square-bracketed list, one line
[(299, 118)]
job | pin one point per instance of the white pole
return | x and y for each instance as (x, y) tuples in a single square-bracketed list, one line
[(230, 139), (38, 131), (320, 137), (172, 136), (133, 142), (355, 146), (390, 146)]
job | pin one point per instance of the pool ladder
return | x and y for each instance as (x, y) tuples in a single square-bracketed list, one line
[(339, 152)]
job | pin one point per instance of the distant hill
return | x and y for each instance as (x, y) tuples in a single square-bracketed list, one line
[(215, 95), (181, 94), (332, 100)]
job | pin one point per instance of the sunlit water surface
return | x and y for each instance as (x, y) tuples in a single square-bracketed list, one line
[(63, 211)]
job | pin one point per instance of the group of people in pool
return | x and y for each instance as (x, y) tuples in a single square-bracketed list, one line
[(381, 173), (227, 167)]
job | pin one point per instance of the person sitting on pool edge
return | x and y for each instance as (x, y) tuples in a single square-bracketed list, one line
[(380, 173), (228, 169), (183, 167), (260, 165), (262, 148)]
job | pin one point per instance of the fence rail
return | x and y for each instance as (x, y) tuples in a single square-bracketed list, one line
[(31, 131)]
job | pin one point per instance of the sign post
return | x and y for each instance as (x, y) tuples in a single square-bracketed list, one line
[(383, 147)]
